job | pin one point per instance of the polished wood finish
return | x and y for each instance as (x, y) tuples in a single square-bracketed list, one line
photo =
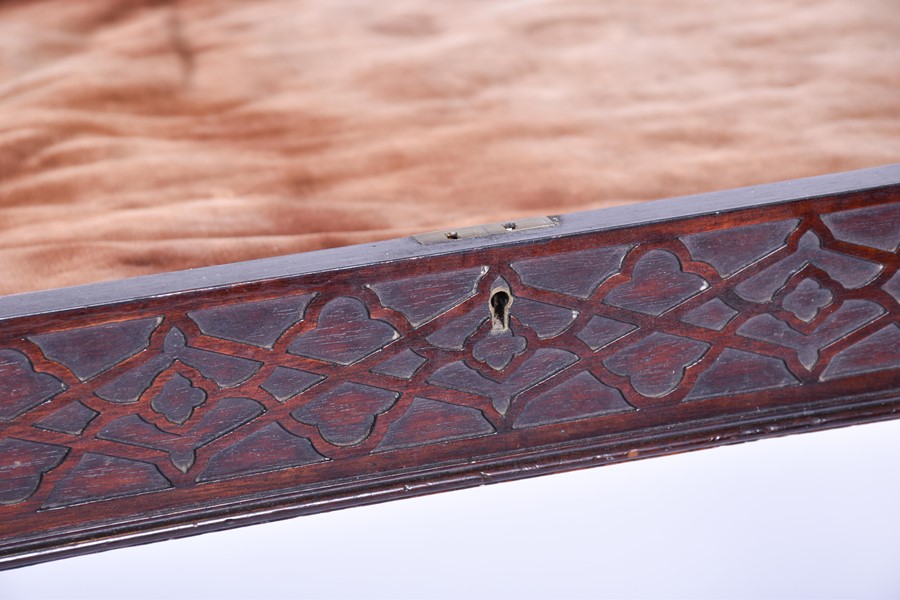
[(195, 401)]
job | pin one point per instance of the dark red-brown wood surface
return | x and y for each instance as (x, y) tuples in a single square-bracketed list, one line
[(188, 402)]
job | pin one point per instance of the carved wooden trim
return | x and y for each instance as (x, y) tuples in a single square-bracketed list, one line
[(188, 402)]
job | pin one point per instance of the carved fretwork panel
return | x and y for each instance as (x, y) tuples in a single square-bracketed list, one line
[(306, 384)]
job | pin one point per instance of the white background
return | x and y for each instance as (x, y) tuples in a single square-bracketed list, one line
[(815, 515)]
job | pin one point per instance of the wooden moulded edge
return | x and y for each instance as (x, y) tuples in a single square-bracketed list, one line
[(175, 282)]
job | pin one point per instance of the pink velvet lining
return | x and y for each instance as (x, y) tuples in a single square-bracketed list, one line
[(144, 137)]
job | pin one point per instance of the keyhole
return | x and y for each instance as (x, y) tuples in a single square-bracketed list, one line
[(499, 304)]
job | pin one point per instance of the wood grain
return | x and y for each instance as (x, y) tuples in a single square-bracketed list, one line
[(188, 402)]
